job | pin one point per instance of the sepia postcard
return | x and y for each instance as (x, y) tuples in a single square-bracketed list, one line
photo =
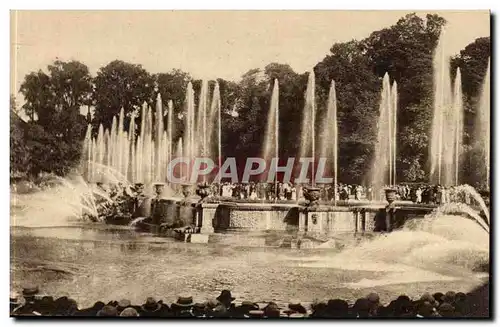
[(250, 164)]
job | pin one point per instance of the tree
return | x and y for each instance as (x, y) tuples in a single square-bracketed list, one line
[(172, 86), (19, 156), (357, 89), (121, 85), (54, 139), (405, 51), (37, 92)]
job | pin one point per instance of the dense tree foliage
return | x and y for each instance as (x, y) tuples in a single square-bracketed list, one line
[(52, 137)]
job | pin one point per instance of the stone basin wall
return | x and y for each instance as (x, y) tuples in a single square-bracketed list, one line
[(326, 220), (256, 217)]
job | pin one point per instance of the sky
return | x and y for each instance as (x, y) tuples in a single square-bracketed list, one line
[(207, 44)]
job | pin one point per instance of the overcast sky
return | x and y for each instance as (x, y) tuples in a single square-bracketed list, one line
[(208, 45)]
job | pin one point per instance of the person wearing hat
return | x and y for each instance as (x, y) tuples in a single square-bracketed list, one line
[(129, 312), (403, 307), (92, 311), (151, 308), (272, 310), (46, 306), (438, 296), (374, 301), (220, 311), (183, 306), (245, 307), (337, 308), (65, 306), (122, 305), (31, 305), (210, 305), (14, 301), (361, 308), (460, 303), (449, 297), (226, 298), (107, 311), (425, 310), (296, 307), (427, 297), (446, 310), (319, 309), (199, 310)]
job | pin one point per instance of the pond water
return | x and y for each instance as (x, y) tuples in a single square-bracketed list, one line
[(92, 261)]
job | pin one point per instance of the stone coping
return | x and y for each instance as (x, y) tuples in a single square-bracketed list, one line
[(258, 206), (340, 206)]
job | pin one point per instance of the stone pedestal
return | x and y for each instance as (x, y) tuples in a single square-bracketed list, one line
[(206, 216), (302, 221), (315, 222)]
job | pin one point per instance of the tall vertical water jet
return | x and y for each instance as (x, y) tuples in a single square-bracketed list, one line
[(119, 141), (158, 153), (384, 162), (113, 143), (93, 159), (179, 154), (458, 122), (170, 116), (271, 138), (271, 135), (447, 124), (131, 146), (482, 127), (164, 149), (202, 120), (142, 157), (100, 145), (107, 142), (394, 112), (87, 152), (215, 116), (329, 133), (213, 123), (308, 137), (189, 129)]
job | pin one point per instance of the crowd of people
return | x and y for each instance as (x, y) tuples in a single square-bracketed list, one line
[(417, 193), (448, 305)]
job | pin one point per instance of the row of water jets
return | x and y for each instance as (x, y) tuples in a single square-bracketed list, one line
[(143, 158)]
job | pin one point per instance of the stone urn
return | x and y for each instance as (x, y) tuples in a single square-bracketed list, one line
[(159, 188), (312, 195), (390, 195), (187, 190), (203, 191), (139, 188)]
